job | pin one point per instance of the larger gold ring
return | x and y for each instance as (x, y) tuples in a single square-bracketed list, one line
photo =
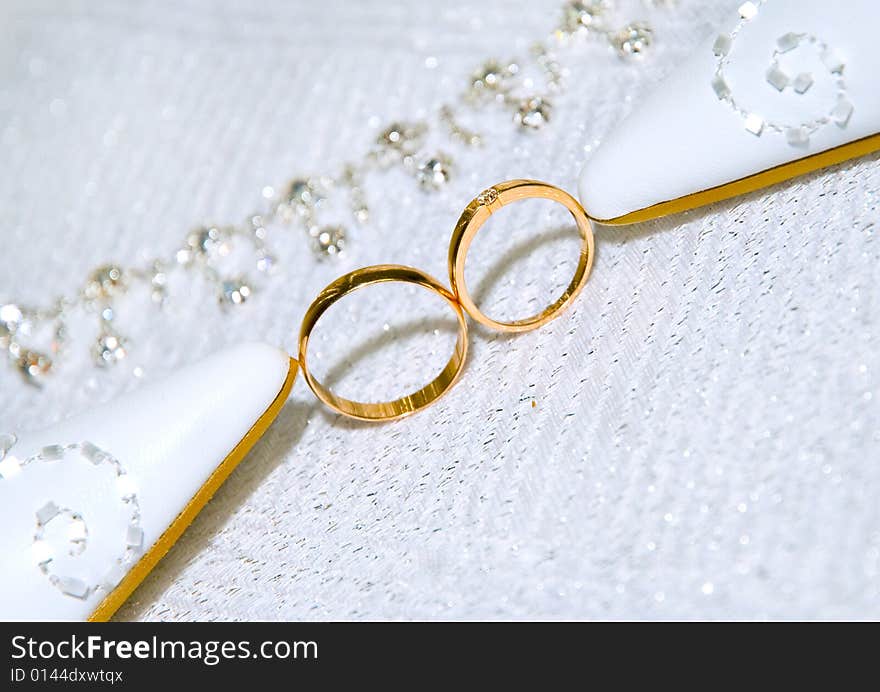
[(475, 215), (405, 405)]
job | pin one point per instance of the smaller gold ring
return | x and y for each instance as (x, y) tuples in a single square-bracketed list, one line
[(405, 405), (475, 215)]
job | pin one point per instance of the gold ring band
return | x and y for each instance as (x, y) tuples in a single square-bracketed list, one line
[(475, 215), (405, 405)]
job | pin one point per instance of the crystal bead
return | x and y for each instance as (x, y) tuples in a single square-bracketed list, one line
[(832, 61), (748, 10), (803, 82), (47, 513), (52, 453), (91, 452), (235, 291), (632, 40), (722, 45), (434, 173), (842, 111), (788, 42), (533, 113), (109, 349), (71, 586), (581, 15), (719, 85), (754, 123), (797, 136), (134, 537), (777, 78), (329, 241)]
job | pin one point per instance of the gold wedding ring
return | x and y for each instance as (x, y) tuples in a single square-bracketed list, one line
[(475, 215), (405, 405)]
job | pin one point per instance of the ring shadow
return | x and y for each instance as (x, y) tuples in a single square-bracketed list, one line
[(267, 454), (288, 428), (503, 264), (495, 273)]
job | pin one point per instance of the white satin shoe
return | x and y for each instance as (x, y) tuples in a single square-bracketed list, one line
[(783, 88), (90, 505)]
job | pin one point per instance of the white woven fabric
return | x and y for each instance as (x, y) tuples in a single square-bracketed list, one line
[(698, 438)]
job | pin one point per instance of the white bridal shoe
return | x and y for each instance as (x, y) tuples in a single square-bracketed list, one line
[(783, 88), (90, 505)]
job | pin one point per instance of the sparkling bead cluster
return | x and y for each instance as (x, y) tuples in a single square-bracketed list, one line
[(34, 339), (77, 529), (797, 134)]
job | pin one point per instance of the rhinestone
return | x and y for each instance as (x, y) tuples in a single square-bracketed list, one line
[(202, 242), (754, 123), (487, 197), (788, 42), (777, 78), (719, 85), (748, 10), (329, 241), (159, 281), (109, 349), (235, 291), (106, 281), (47, 513), (832, 61), (583, 14), (533, 113), (400, 136), (9, 467), (71, 586), (722, 45), (266, 262), (797, 136), (632, 40), (489, 76), (300, 193), (842, 111), (34, 366), (52, 452), (10, 319), (433, 173), (134, 537), (803, 82)]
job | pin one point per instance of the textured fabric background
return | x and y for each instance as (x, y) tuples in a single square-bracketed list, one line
[(698, 438)]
